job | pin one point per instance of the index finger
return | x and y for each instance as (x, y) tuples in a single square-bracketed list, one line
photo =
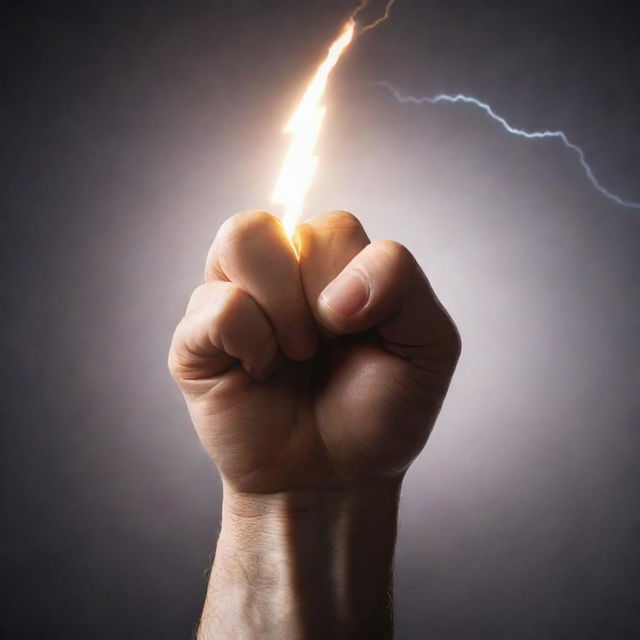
[(252, 251)]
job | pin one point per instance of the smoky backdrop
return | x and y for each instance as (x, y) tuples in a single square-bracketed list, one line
[(131, 130)]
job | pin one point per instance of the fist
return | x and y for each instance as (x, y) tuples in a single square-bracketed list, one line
[(325, 369)]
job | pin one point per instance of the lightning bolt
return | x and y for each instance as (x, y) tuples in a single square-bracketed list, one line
[(301, 162), (372, 25), (531, 135)]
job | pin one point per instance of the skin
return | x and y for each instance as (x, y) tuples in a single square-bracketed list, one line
[(313, 382)]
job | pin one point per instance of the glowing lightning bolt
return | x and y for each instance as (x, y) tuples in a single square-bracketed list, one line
[(301, 160), (518, 132)]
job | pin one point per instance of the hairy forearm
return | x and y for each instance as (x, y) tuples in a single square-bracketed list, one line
[(304, 564)]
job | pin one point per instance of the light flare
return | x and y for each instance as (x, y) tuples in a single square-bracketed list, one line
[(301, 162)]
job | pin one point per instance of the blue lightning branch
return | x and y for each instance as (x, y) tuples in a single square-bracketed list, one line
[(518, 132)]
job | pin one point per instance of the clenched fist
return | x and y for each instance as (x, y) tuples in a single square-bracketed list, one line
[(323, 371), (313, 382)]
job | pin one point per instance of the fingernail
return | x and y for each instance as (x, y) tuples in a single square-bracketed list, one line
[(301, 341), (346, 295)]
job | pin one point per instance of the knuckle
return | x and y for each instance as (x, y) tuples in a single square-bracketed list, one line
[(340, 222), (227, 306), (241, 235), (205, 326), (396, 251), (244, 225), (392, 246), (197, 296), (344, 220)]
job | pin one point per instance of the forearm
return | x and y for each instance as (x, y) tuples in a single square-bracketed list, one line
[(305, 564)]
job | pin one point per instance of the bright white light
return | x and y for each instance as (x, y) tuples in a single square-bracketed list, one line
[(301, 162)]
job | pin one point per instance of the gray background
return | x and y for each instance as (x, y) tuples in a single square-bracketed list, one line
[(131, 130)]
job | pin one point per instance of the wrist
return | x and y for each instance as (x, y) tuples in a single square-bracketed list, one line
[(317, 503), (315, 562)]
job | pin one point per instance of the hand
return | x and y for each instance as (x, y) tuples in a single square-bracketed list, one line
[(313, 384), (325, 372)]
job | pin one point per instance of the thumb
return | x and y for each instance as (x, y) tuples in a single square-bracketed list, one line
[(384, 287)]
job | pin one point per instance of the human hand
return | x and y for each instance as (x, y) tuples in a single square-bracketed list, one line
[(323, 372)]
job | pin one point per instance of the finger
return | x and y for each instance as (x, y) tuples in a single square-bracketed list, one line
[(384, 287), (252, 251), (327, 242), (222, 325)]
